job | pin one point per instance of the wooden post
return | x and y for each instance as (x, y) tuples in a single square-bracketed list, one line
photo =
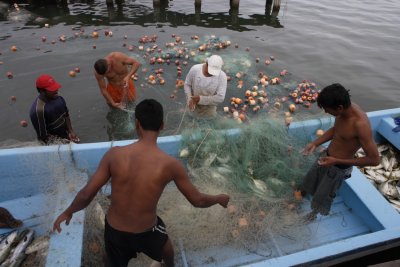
[(234, 3), (277, 3), (197, 3), (276, 7), (156, 2)]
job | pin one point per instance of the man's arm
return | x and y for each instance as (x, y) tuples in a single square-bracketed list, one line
[(103, 89), (196, 198), (188, 85), (134, 66), (327, 136), (71, 134), (87, 193), (218, 96)]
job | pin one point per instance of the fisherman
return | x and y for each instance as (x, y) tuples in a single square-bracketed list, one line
[(205, 87), (49, 113), (119, 89), (131, 223), (350, 132), (115, 82)]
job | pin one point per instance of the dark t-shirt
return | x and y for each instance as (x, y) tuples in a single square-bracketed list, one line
[(49, 118)]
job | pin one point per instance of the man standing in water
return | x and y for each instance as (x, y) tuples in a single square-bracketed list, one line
[(350, 132), (140, 172), (120, 89), (49, 113), (205, 87)]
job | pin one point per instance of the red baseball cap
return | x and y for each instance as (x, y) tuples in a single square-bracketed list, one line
[(47, 82)]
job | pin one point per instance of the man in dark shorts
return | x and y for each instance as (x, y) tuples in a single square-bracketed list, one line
[(350, 132), (49, 113), (140, 172)]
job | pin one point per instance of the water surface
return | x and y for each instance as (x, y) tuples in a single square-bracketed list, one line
[(355, 43)]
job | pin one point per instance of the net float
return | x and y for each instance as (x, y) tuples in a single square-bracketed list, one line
[(44, 38), (13, 98), (95, 34), (13, 48), (297, 195), (94, 46), (77, 70), (9, 75), (319, 132), (292, 108), (235, 233), (23, 123), (232, 209), (243, 222), (72, 73)]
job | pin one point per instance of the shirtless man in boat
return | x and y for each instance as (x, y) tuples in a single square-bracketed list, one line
[(350, 132), (119, 88), (140, 172)]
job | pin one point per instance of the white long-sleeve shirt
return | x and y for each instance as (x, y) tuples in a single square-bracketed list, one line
[(211, 90)]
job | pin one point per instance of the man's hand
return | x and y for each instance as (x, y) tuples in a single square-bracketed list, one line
[(125, 82), (326, 161), (309, 149), (73, 137), (193, 102), (119, 105), (223, 200), (63, 217)]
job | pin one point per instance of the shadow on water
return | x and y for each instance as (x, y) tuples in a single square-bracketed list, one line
[(119, 12)]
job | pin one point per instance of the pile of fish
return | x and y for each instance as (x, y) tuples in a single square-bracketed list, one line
[(385, 176), (16, 246)]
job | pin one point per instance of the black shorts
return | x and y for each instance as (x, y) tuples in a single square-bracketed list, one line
[(122, 246)]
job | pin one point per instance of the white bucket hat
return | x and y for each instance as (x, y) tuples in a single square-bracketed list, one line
[(214, 63)]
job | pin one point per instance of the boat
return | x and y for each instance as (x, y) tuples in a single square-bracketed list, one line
[(37, 183)]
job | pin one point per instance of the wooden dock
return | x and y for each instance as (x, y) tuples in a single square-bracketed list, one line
[(234, 4)]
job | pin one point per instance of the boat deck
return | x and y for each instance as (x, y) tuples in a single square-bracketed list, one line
[(342, 223)]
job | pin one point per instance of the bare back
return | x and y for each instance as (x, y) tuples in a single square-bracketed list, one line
[(118, 70), (139, 175), (348, 130)]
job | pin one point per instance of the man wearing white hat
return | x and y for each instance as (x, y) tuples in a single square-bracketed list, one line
[(205, 87)]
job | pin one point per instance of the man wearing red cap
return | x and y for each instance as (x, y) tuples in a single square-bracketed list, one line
[(49, 113), (205, 87)]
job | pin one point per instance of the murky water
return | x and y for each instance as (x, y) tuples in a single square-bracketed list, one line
[(355, 43)]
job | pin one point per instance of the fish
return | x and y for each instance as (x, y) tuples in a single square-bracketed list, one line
[(5, 245), (389, 190), (7, 220), (18, 254), (260, 185), (385, 163), (208, 161), (38, 244), (377, 177), (377, 167), (382, 148), (184, 153)]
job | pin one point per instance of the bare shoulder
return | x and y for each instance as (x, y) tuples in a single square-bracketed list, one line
[(361, 121)]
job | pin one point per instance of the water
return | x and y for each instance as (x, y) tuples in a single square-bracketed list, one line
[(353, 42)]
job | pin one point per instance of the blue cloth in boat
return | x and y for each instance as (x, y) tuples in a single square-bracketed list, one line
[(122, 246), (397, 122), (322, 182)]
